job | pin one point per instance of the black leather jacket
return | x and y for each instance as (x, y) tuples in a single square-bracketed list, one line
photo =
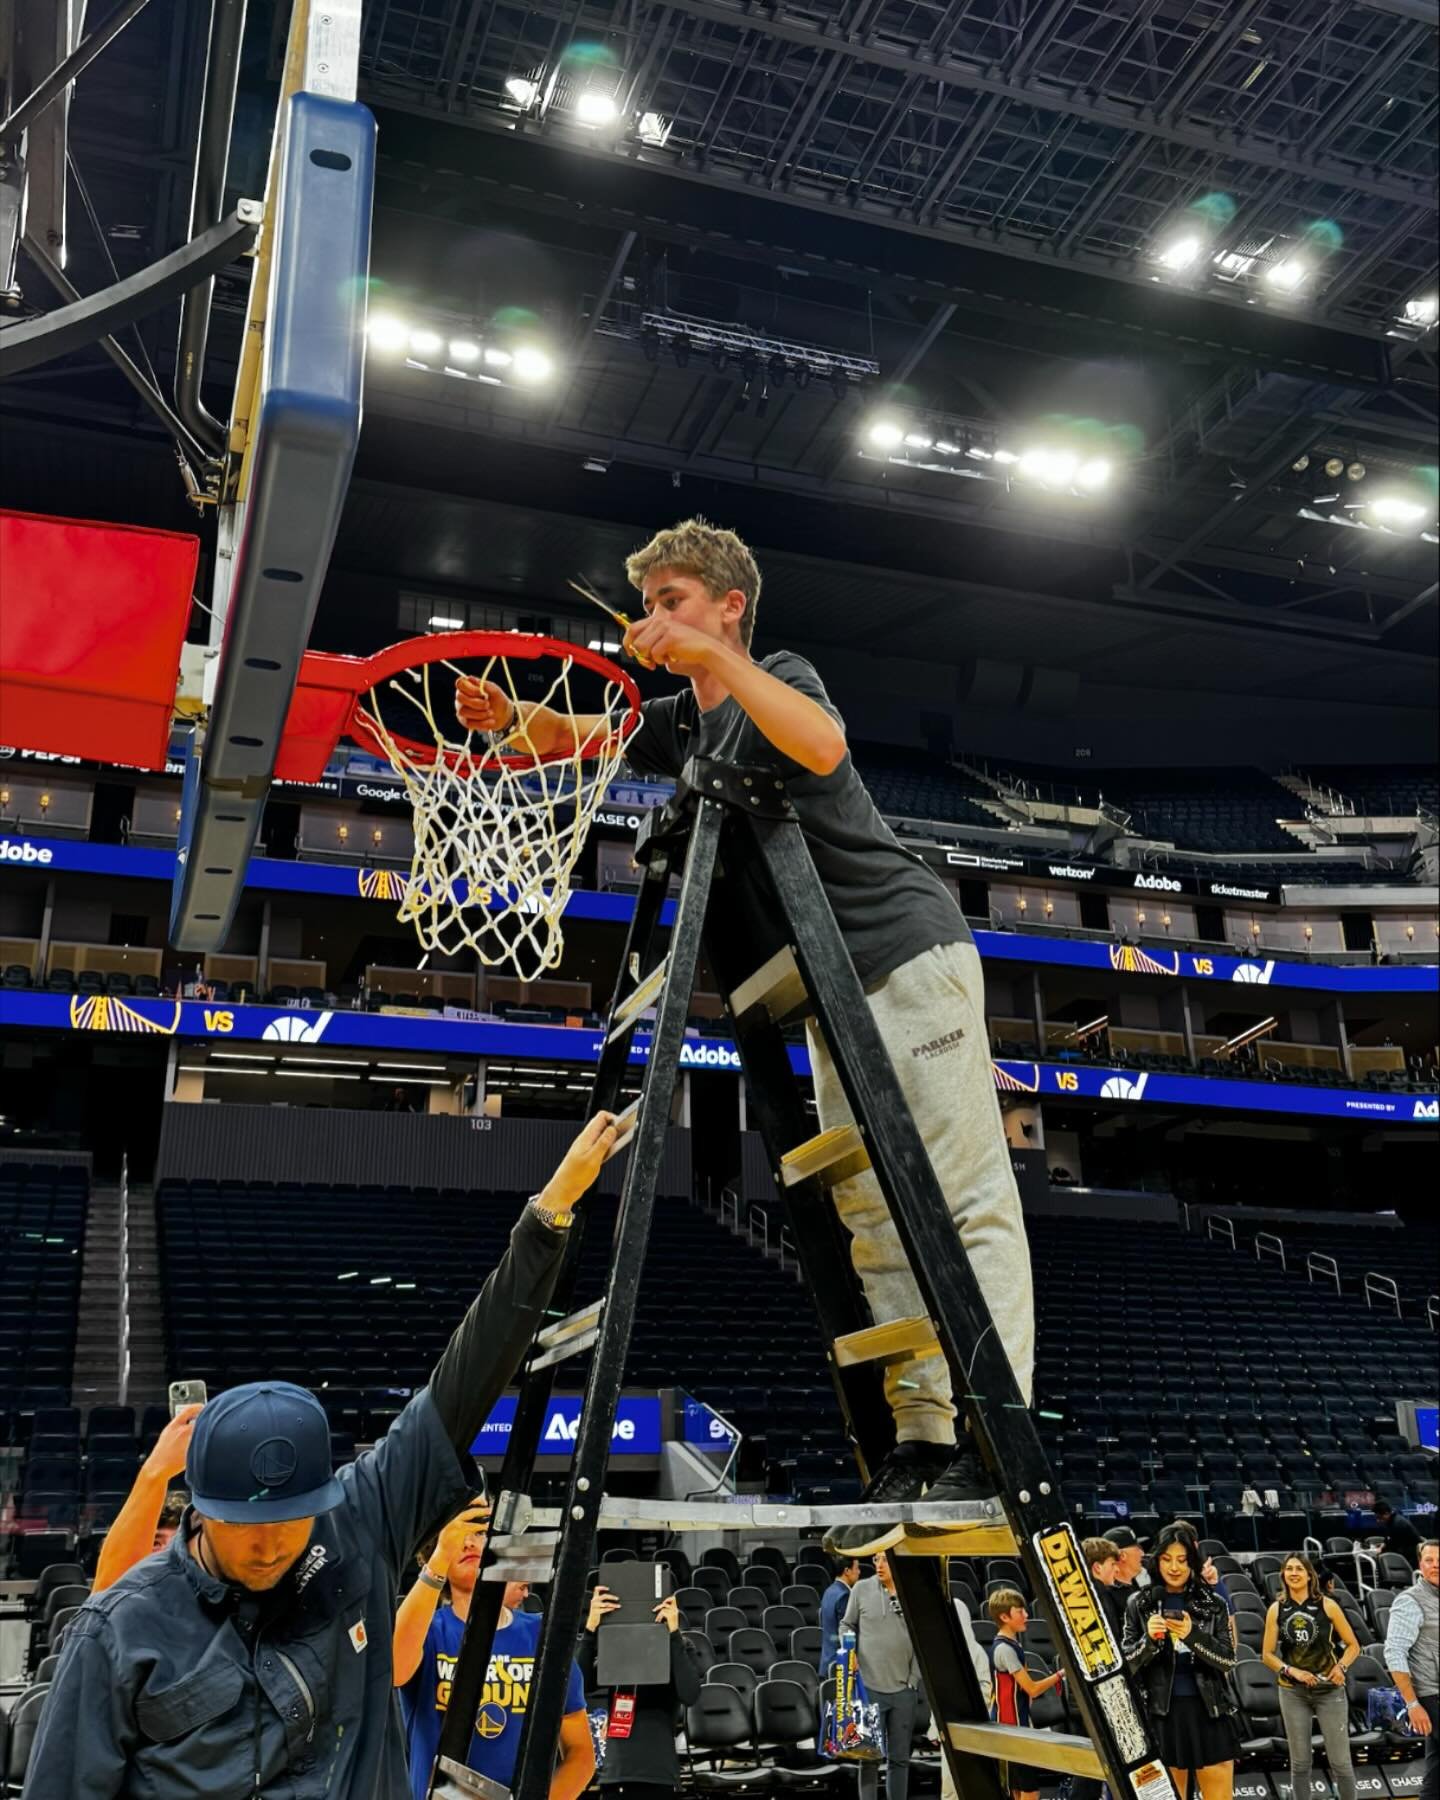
[(1153, 1664)]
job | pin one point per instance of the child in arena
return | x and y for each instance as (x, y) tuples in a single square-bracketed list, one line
[(906, 935), (1013, 1687), (426, 1645)]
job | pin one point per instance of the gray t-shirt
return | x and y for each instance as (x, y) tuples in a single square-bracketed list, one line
[(882, 1643), (890, 908)]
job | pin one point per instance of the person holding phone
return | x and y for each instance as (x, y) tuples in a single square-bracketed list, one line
[(636, 1735), (138, 1528), (1309, 1644), (1177, 1644)]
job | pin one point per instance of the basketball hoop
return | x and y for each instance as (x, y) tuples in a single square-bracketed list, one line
[(498, 829)]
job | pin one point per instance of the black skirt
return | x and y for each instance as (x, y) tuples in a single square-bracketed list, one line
[(1190, 1739)]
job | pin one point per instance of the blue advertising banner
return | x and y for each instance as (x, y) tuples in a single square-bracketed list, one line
[(51, 855), (704, 1429), (476, 1037), (1427, 1427), (636, 1433)]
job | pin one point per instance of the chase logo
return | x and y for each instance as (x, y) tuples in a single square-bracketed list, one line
[(1426, 1109)]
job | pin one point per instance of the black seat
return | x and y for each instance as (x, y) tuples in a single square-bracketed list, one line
[(720, 1621), (785, 1715), (750, 1601), (805, 1601), (781, 1622), (719, 1726), (737, 1675), (753, 1647)]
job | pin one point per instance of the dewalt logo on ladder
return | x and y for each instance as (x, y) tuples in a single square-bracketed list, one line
[(1079, 1612)]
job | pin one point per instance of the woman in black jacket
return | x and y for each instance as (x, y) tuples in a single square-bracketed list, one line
[(636, 1730), (1177, 1644)]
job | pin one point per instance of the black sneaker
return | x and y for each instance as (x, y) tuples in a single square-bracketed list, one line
[(964, 1481), (904, 1476)]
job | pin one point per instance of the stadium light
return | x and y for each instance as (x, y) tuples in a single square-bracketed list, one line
[(463, 350), (532, 365), (885, 434), (1004, 456), (1091, 476), (386, 332), (1397, 510), (1052, 468), (917, 440), (424, 342), (1180, 253), (438, 622), (653, 128), (524, 93), (593, 108), (1286, 276), (497, 359), (1424, 309)]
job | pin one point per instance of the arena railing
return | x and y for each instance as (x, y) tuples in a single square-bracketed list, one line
[(1267, 1243), (1319, 1263), (1385, 1287), (1217, 1225)]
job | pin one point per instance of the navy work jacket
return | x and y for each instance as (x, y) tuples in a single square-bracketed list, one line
[(173, 1685)]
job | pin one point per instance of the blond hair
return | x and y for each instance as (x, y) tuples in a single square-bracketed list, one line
[(718, 558)]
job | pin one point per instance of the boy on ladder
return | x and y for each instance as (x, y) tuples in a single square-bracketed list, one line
[(907, 937)]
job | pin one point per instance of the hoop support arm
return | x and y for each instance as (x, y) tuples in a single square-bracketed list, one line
[(99, 315)]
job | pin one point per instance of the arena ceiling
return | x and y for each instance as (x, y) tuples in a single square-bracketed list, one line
[(982, 198)]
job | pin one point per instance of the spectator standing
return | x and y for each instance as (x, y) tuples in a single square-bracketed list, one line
[(832, 1610), (1177, 1644), (1412, 1655), (1102, 1557), (890, 1673), (1398, 1532), (1309, 1644), (639, 1761), (1129, 1561), (253, 1657), (1012, 1684), (429, 1629), (141, 1527)]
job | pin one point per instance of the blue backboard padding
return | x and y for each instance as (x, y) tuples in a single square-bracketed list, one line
[(305, 430)]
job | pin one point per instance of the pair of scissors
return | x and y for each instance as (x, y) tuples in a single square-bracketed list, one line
[(588, 593)]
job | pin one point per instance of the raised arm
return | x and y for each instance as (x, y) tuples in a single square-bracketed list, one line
[(490, 1341), (132, 1537)]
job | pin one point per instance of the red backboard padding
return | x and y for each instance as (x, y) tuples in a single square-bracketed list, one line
[(92, 618)]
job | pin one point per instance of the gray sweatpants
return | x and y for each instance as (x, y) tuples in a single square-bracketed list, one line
[(1330, 1710), (931, 1015)]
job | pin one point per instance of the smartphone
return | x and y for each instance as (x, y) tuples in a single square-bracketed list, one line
[(186, 1393)]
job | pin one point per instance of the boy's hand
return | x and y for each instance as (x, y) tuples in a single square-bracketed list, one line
[(679, 648), (482, 706)]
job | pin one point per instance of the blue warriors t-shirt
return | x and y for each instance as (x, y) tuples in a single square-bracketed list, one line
[(503, 1700)]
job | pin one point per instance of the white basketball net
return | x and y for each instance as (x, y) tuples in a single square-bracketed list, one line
[(497, 835)]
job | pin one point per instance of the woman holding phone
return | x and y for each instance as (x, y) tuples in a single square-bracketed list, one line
[(1309, 1644), (1177, 1644)]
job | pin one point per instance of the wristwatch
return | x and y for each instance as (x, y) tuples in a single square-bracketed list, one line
[(555, 1221)]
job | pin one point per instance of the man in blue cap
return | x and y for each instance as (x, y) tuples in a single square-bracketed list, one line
[(252, 1658)]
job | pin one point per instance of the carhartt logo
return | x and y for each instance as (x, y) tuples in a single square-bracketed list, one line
[(940, 1046), (358, 1639)]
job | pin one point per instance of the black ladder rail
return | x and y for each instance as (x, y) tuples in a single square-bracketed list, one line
[(822, 1246), (580, 1524), (517, 1471), (983, 1382)]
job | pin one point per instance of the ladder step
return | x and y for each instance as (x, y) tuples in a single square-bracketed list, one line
[(453, 1781), (638, 1000), (980, 1538), (572, 1326), (776, 985), (1058, 1750), (574, 1346), (835, 1155), (902, 1340)]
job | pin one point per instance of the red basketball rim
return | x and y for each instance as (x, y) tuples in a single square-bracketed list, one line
[(323, 673)]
